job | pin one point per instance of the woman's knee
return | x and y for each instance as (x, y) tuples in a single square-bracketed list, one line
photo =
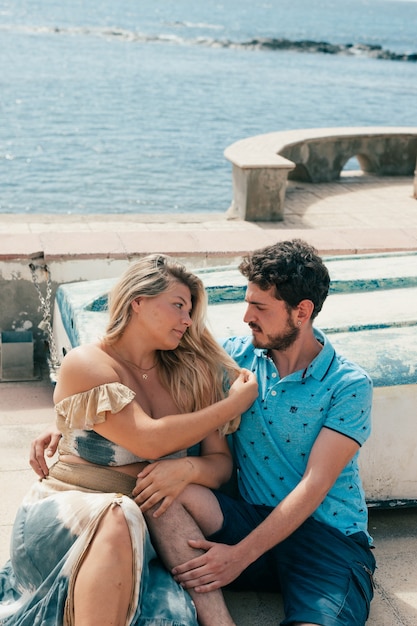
[(202, 505)]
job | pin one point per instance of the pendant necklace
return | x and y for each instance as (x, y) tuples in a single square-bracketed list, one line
[(144, 371)]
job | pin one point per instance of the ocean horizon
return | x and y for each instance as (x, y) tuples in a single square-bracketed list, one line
[(128, 107)]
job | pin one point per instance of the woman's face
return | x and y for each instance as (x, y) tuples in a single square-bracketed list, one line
[(165, 318)]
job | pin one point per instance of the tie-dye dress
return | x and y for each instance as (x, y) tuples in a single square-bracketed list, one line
[(57, 521)]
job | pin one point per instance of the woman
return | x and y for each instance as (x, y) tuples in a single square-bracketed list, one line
[(152, 386)]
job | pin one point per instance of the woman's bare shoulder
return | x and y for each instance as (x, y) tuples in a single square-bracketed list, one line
[(83, 368), (86, 350), (85, 356)]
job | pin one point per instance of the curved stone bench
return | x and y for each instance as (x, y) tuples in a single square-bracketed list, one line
[(262, 164)]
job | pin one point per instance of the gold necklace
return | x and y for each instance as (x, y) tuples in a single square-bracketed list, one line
[(141, 369)]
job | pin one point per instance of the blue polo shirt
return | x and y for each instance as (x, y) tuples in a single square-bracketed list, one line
[(276, 434)]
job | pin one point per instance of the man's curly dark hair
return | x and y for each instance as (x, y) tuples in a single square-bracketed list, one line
[(293, 268)]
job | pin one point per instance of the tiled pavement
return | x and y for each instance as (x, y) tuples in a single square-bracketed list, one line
[(355, 214)]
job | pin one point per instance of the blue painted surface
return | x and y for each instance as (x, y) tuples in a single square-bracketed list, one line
[(372, 304)]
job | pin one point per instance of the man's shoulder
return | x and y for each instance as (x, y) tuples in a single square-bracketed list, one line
[(347, 364), (339, 364), (238, 345), (347, 377)]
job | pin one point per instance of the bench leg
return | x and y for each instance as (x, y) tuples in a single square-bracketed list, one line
[(258, 194)]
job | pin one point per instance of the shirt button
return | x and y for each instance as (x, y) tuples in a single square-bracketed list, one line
[(273, 393), (274, 374)]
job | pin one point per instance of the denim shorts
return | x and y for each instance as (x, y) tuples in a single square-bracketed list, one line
[(324, 576)]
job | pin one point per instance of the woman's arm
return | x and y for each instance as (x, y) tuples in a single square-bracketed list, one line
[(145, 437), (85, 367), (163, 481)]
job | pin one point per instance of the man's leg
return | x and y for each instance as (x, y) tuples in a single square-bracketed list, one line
[(194, 515)]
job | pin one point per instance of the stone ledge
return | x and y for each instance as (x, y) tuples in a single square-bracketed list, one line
[(262, 164)]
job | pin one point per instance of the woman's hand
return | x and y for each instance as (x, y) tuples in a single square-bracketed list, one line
[(244, 389), (162, 482), (45, 443)]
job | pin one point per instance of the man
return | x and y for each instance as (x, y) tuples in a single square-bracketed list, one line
[(299, 525)]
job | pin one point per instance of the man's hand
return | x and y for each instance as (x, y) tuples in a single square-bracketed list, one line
[(45, 444), (217, 567)]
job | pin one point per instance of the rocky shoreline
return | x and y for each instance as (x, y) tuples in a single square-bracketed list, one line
[(324, 47), (261, 43)]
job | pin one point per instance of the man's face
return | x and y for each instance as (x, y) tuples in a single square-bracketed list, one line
[(272, 324)]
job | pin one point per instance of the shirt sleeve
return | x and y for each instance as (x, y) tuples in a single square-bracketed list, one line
[(350, 409), (84, 410)]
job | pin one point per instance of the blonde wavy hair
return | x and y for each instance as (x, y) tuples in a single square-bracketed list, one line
[(198, 372)]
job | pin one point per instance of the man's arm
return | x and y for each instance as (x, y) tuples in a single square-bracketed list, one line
[(45, 444), (221, 564)]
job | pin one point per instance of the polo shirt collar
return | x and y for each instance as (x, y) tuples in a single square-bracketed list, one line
[(319, 366)]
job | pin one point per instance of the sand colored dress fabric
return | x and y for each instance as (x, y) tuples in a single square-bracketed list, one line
[(57, 521)]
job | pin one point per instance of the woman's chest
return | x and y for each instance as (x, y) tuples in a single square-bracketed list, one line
[(153, 398)]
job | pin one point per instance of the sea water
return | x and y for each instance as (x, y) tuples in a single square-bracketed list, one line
[(127, 106)]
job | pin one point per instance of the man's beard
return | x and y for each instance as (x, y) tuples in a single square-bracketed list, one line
[(280, 342)]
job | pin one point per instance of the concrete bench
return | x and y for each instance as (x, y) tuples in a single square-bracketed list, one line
[(263, 164)]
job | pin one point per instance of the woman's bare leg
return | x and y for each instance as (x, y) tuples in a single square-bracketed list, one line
[(103, 585)]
